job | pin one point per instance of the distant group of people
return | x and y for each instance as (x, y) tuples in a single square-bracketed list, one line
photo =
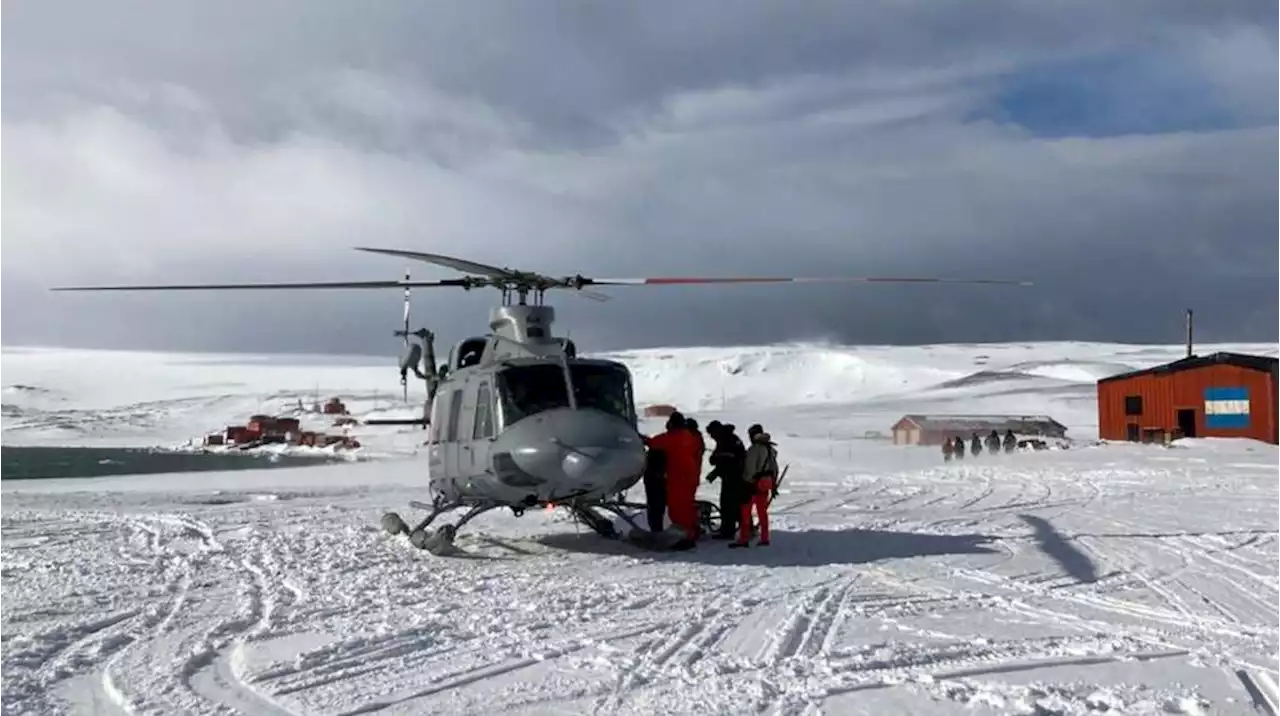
[(954, 447), (748, 479)]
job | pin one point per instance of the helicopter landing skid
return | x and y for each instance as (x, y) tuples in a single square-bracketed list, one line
[(601, 525), (439, 541), (708, 513)]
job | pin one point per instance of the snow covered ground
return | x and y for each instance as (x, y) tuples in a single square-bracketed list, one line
[(1120, 579)]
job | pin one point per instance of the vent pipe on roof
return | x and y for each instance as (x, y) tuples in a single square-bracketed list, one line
[(1189, 352)]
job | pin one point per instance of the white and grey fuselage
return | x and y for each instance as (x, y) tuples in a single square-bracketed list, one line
[(520, 420)]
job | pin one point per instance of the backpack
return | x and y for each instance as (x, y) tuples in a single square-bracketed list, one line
[(770, 462)]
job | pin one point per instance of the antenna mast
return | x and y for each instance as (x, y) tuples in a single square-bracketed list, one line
[(1189, 335), (404, 379)]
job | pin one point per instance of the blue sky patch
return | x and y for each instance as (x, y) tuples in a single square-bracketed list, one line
[(1112, 94)]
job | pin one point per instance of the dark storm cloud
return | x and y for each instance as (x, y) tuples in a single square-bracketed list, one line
[(1121, 155)]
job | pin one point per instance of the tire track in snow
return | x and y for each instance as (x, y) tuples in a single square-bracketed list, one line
[(216, 670), (179, 586), (810, 628), (808, 635), (1228, 559), (459, 678), (177, 634), (1178, 632), (1132, 564), (1192, 555), (988, 489), (65, 652), (95, 647), (684, 644)]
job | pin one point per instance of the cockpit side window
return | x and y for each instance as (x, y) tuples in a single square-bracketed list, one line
[(529, 390), (470, 352)]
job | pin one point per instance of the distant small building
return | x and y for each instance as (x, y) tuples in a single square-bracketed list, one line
[(334, 406), (1219, 395), (659, 411), (936, 429)]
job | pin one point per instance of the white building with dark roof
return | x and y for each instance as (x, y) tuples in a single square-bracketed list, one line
[(935, 429)]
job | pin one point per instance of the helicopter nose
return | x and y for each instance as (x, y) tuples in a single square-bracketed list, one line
[(589, 448)]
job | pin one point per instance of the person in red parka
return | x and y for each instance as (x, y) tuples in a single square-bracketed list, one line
[(684, 463)]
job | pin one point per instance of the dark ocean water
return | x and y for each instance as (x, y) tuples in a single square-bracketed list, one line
[(34, 463)]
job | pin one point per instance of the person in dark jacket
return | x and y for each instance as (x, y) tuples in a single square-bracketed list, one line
[(958, 448), (655, 489), (1010, 442), (993, 442), (692, 426), (975, 446), (728, 457)]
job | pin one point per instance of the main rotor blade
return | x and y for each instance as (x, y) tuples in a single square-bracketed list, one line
[(693, 280), (447, 261), (237, 286)]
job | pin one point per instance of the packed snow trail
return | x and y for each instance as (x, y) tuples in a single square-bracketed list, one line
[(1126, 577)]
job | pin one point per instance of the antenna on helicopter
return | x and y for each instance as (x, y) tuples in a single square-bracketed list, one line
[(404, 374), (418, 357)]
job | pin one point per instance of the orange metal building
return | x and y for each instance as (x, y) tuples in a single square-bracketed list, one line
[(1228, 395)]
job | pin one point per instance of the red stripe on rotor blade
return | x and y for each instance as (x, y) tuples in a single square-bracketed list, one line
[(692, 280)]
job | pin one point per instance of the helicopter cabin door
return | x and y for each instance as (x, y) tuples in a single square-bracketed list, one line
[(481, 428), (449, 445), (460, 463)]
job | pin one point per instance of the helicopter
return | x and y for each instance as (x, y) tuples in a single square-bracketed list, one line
[(516, 418)]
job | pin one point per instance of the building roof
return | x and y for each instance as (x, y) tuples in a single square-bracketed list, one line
[(1262, 364), (985, 423)]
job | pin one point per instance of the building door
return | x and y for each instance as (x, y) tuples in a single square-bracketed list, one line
[(1187, 422), (1132, 432)]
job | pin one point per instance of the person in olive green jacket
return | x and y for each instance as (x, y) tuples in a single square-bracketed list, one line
[(759, 474)]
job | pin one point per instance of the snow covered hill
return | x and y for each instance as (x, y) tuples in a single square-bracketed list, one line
[(1103, 579)]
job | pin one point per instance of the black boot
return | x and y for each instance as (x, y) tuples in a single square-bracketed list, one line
[(684, 543)]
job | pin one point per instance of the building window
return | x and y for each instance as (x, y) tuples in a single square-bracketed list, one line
[(1132, 405)]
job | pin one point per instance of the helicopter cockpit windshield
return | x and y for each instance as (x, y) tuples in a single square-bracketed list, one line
[(530, 389)]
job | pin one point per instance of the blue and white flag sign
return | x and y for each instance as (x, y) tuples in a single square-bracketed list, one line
[(1226, 407)]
